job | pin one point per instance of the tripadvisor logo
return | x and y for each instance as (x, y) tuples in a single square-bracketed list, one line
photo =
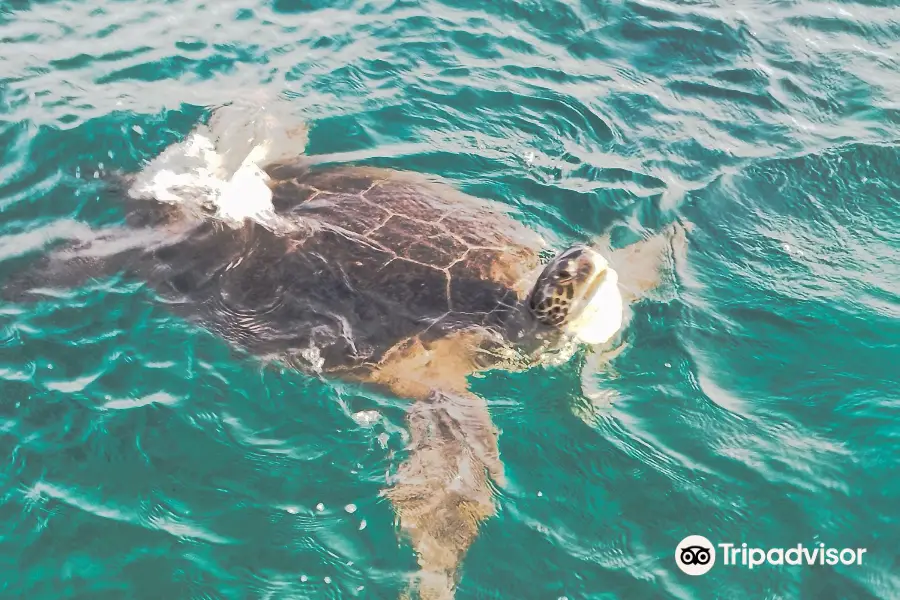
[(696, 555)]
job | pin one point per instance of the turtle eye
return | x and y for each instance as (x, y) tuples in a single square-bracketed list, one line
[(565, 274)]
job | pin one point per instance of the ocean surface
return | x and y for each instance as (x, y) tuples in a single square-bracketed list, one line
[(757, 399)]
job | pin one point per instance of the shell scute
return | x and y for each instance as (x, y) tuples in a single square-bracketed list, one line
[(480, 283), (422, 288), (407, 199), (342, 181), (345, 211), (419, 241), (290, 193)]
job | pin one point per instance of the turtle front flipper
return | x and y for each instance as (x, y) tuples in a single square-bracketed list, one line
[(442, 492), (258, 124), (644, 265)]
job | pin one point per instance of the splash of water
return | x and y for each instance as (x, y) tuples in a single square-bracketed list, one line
[(194, 171)]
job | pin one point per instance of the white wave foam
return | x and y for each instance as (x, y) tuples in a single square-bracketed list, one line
[(172, 524), (192, 172)]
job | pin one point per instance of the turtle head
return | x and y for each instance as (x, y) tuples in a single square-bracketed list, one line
[(578, 293)]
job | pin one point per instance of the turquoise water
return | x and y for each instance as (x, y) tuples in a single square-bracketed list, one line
[(756, 402)]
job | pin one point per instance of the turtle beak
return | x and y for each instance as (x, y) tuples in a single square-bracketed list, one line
[(596, 268), (597, 314)]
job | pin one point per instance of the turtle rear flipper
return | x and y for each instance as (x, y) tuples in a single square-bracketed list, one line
[(81, 256), (48, 276)]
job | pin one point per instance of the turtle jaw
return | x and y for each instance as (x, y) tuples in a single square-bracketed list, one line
[(600, 313)]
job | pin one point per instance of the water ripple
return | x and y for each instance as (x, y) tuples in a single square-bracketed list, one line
[(754, 400)]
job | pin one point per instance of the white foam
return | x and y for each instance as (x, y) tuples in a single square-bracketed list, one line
[(366, 417), (192, 171), (247, 195)]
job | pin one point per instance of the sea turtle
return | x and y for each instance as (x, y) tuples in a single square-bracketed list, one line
[(391, 279)]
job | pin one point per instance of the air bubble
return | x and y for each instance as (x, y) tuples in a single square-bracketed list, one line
[(362, 524), (366, 417), (320, 507), (350, 508)]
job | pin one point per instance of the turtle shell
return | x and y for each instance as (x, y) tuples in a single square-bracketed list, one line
[(378, 257)]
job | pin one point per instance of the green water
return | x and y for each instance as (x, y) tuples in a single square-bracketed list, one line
[(756, 402)]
